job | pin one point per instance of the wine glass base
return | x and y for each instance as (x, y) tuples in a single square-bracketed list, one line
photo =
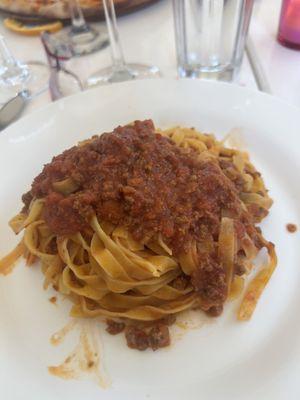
[(83, 41), (33, 76), (14, 75), (38, 79), (129, 72)]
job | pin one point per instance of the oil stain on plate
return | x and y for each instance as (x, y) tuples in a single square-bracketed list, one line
[(84, 361)]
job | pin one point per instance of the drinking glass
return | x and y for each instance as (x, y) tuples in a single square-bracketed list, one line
[(289, 24), (210, 36), (119, 70), (83, 38), (16, 75)]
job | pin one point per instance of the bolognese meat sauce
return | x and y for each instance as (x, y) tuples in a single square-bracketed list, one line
[(139, 179)]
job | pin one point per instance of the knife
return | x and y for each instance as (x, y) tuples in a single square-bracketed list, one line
[(13, 108)]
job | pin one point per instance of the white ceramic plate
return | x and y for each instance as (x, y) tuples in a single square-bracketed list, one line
[(223, 359)]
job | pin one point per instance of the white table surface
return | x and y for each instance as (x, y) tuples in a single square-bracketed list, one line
[(148, 37)]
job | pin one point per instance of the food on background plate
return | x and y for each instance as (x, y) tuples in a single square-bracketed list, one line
[(60, 8), (140, 224), (31, 29)]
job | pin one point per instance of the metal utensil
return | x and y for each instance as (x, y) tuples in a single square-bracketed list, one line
[(257, 68), (13, 108)]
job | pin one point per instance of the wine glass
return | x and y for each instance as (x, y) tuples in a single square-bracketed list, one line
[(16, 76), (82, 38), (62, 82), (119, 70)]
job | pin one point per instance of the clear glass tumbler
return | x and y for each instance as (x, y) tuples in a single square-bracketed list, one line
[(210, 36)]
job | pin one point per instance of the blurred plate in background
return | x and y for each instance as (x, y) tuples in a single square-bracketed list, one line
[(58, 9)]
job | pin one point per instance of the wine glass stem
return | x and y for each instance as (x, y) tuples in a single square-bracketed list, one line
[(6, 57), (78, 21), (113, 34)]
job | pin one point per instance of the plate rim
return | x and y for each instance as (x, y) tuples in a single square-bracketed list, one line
[(65, 101), (30, 119)]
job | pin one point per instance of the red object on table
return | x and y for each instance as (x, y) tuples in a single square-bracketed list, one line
[(289, 24)]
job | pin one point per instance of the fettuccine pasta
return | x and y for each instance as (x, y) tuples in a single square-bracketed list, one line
[(141, 224)]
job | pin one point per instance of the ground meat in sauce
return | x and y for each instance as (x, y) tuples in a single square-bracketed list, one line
[(136, 338), (258, 213), (215, 311), (139, 179), (239, 269), (168, 320), (209, 279), (26, 199), (114, 327), (292, 228), (156, 337), (181, 282), (159, 336)]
